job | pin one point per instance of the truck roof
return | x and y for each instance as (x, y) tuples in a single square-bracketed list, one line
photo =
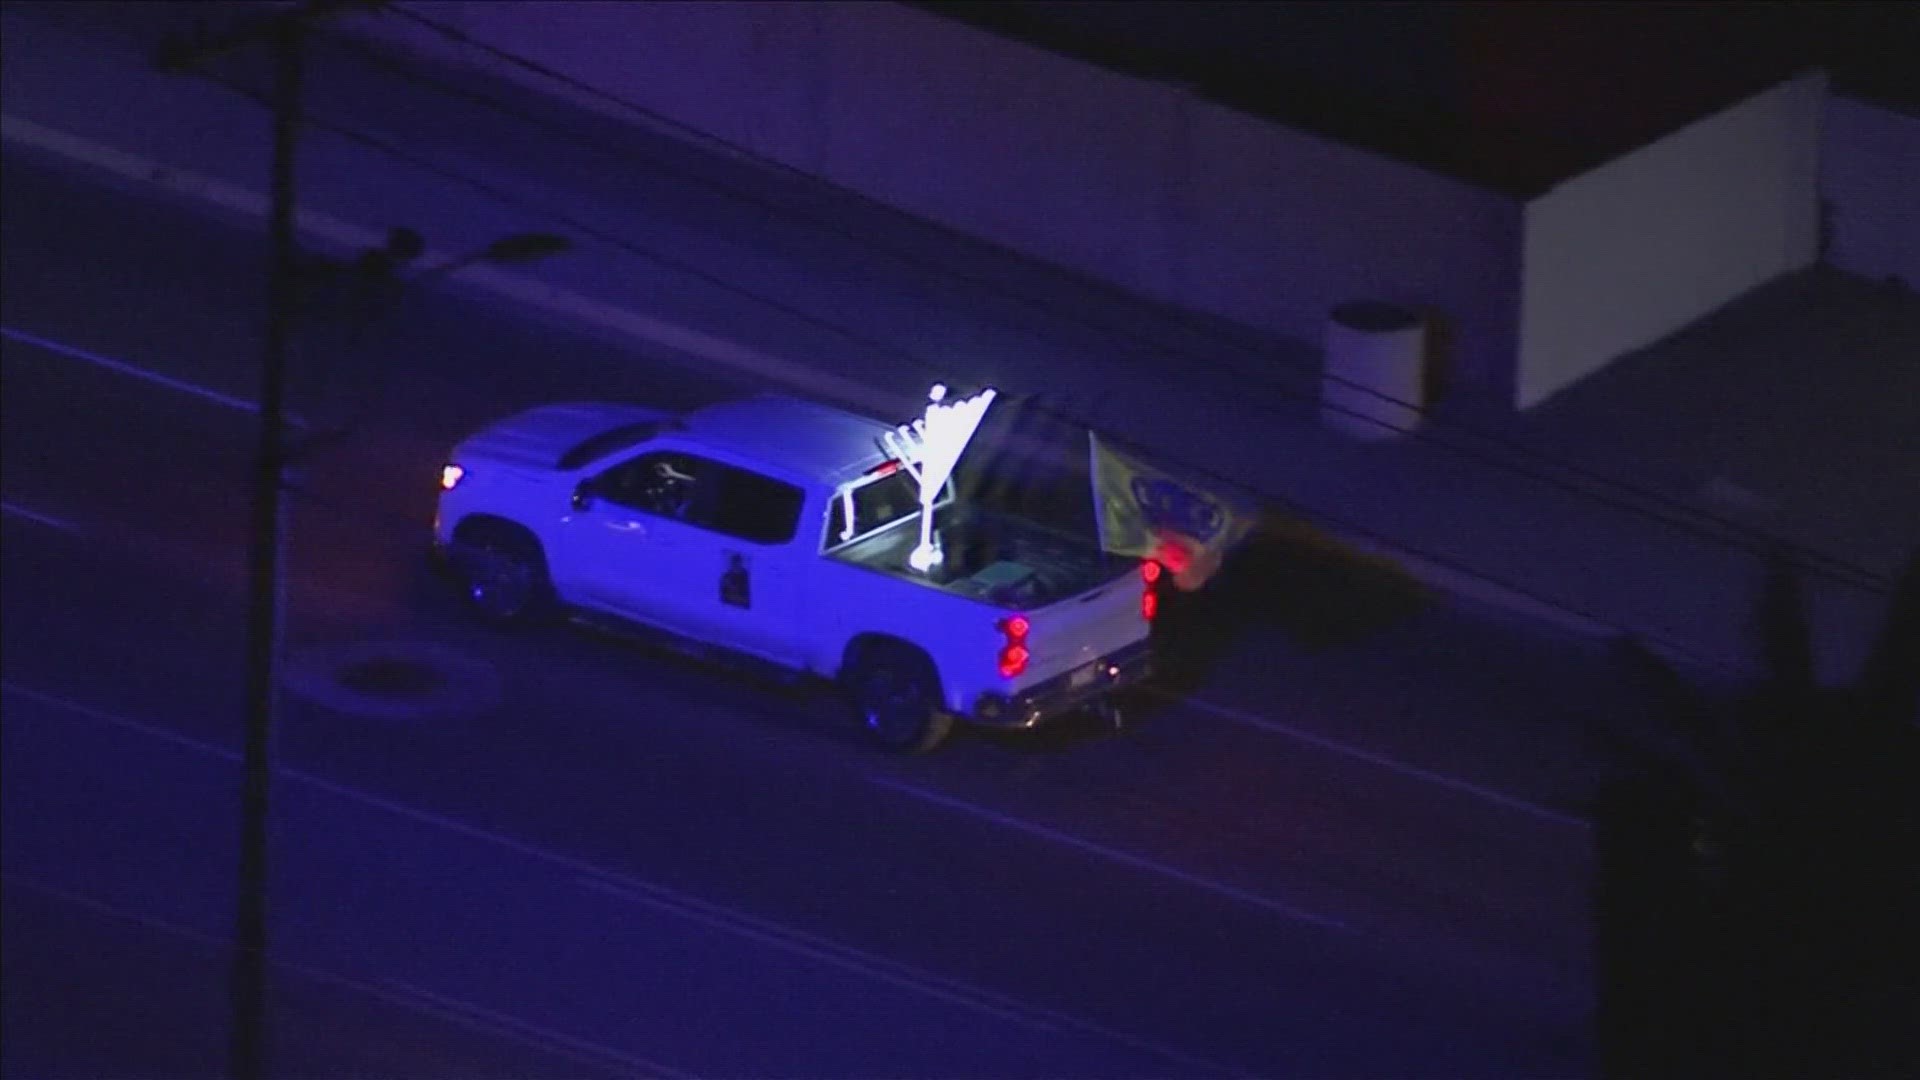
[(802, 439), (548, 436)]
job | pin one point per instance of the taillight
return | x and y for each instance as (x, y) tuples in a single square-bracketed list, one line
[(1150, 572), (1013, 661), (1014, 654), (450, 476)]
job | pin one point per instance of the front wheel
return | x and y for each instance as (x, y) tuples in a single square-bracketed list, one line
[(503, 579), (895, 692)]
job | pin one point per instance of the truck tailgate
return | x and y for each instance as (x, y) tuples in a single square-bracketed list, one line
[(1081, 629)]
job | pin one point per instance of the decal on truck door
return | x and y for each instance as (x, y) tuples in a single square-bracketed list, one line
[(736, 588)]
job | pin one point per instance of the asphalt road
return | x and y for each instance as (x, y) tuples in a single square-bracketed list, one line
[(1358, 860)]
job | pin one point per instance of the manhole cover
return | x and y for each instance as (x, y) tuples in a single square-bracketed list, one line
[(390, 675), (394, 680)]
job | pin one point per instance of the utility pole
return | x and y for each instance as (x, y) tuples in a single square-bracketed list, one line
[(286, 33), (265, 589)]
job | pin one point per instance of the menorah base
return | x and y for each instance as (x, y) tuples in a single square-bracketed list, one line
[(925, 557)]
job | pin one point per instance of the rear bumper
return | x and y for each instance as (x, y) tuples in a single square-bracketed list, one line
[(1086, 686)]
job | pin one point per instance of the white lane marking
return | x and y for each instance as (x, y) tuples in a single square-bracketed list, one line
[(871, 967), (151, 731), (1115, 855), (886, 970), (122, 367), (14, 509), (438, 1006), (487, 1020), (1381, 761), (734, 921)]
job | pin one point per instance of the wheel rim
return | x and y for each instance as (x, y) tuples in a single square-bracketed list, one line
[(894, 707), (499, 584)]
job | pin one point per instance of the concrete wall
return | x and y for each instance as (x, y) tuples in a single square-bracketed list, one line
[(1627, 254), (1128, 180), (1870, 183), (748, 72), (1051, 157)]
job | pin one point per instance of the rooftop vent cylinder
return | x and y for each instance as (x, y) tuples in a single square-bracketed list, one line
[(1371, 387)]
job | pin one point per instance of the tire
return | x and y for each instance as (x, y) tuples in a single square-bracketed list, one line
[(895, 694), (503, 577)]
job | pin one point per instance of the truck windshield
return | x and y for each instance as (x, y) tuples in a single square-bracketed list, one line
[(876, 503)]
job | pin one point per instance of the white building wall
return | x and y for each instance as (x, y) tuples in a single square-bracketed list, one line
[(1870, 185), (1629, 253)]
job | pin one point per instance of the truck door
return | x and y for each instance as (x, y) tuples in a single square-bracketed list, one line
[(750, 582), (630, 541)]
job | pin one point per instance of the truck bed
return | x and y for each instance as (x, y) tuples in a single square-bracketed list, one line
[(997, 559)]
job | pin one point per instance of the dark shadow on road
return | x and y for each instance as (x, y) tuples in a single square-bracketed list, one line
[(1061, 734), (1287, 576)]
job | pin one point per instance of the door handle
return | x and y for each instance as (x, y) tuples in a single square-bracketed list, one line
[(627, 525)]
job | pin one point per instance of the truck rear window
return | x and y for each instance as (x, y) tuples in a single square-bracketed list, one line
[(877, 504)]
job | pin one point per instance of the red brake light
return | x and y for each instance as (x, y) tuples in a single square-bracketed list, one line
[(1149, 605), (1013, 660), (1149, 571), (885, 468), (1014, 654)]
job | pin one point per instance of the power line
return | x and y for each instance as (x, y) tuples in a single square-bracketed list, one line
[(1692, 519), (886, 349)]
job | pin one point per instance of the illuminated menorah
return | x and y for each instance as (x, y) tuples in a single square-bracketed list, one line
[(928, 449)]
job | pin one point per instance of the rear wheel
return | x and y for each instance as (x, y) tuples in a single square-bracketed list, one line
[(503, 577), (895, 692)]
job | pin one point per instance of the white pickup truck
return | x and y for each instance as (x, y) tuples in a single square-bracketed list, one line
[(780, 529)]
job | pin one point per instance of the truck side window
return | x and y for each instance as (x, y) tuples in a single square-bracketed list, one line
[(665, 484), (751, 507)]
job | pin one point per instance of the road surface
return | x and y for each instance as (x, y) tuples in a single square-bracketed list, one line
[(1362, 861)]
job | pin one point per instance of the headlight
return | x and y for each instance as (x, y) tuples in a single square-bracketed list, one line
[(450, 476)]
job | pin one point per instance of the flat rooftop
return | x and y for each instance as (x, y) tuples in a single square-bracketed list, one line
[(1794, 411)]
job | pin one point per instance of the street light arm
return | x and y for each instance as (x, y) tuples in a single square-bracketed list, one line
[(522, 248), (519, 249)]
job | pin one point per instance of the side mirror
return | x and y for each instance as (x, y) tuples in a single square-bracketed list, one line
[(583, 495)]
